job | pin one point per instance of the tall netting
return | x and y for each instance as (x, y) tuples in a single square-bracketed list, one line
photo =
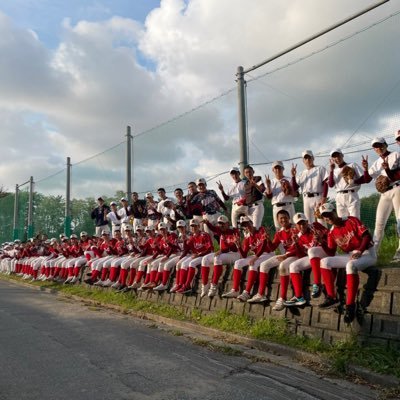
[(311, 93)]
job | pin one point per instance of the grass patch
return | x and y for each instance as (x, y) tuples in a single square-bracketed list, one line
[(388, 247), (228, 350)]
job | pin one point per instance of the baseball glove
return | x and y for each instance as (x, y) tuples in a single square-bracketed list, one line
[(348, 174), (286, 187), (382, 183)]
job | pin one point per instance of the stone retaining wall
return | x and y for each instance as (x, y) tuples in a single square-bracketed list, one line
[(379, 296)]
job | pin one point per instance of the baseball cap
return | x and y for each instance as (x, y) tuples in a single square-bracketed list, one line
[(299, 217), (326, 208), (53, 240), (223, 219), (180, 223), (127, 228), (307, 153), (194, 222), (277, 164), (83, 233), (378, 140), (105, 233), (244, 219), (335, 151), (234, 169), (73, 236), (162, 225), (149, 194), (140, 228), (100, 199), (113, 203), (201, 180), (149, 228), (117, 229), (123, 199), (397, 135)]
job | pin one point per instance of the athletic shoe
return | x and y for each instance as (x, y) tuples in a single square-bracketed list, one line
[(160, 288), (243, 297), (204, 290), (184, 289), (148, 285), (74, 280), (213, 290), (350, 313), (68, 280), (396, 257), (316, 291), (125, 289), (116, 286), (257, 298), (329, 302), (88, 281), (279, 305), (98, 283), (232, 294), (107, 283), (134, 286), (295, 301), (175, 288)]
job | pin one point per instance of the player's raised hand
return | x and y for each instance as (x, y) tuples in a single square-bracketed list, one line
[(385, 163), (220, 187), (364, 162), (267, 181), (294, 169), (332, 164)]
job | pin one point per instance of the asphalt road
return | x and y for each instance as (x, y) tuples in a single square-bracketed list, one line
[(55, 348)]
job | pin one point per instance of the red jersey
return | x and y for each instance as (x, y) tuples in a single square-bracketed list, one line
[(151, 245), (200, 244), (347, 237), (257, 243), (75, 250), (286, 237), (107, 248), (226, 239), (120, 247), (316, 235), (169, 244)]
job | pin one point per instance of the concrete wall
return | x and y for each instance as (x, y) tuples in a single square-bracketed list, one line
[(379, 297)]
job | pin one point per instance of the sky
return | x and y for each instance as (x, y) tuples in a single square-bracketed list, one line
[(74, 75)]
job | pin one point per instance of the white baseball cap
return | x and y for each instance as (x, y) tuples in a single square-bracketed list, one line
[(127, 228), (377, 140), (113, 203), (83, 233), (149, 194), (244, 219), (123, 199), (223, 219), (326, 208), (335, 151), (307, 153), (149, 228), (162, 225), (140, 228), (277, 164), (201, 180), (234, 169), (73, 236), (117, 229), (180, 223), (194, 222), (105, 233), (299, 217)]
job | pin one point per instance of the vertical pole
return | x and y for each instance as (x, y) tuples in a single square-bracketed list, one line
[(16, 219), (243, 157), (67, 221), (30, 209), (128, 162)]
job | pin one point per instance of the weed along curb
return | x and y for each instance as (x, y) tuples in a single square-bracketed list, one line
[(261, 350)]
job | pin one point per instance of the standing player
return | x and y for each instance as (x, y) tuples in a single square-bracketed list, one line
[(386, 166), (153, 216), (137, 210), (254, 193), (114, 217), (313, 184), (345, 178), (237, 194), (99, 215), (280, 192), (354, 239)]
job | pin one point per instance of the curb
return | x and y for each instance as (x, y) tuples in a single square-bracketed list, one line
[(276, 353)]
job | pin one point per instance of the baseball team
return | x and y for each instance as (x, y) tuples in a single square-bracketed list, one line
[(165, 244)]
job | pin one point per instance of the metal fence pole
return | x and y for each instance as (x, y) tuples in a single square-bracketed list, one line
[(67, 221), (16, 210), (243, 161), (30, 209), (128, 163)]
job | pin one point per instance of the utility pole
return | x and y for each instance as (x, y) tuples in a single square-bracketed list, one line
[(128, 162), (30, 209), (67, 220), (16, 219)]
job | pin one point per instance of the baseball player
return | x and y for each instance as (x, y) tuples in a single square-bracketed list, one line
[(255, 242), (354, 239), (387, 165), (153, 216), (254, 194), (280, 192), (125, 213), (237, 194), (345, 178), (228, 253), (313, 184), (99, 215), (137, 210), (114, 217)]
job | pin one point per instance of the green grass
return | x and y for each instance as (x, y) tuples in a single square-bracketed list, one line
[(341, 354), (388, 248)]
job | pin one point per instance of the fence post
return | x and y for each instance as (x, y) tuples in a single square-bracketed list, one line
[(16, 219), (30, 209), (243, 159), (67, 221), (128, 163)]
